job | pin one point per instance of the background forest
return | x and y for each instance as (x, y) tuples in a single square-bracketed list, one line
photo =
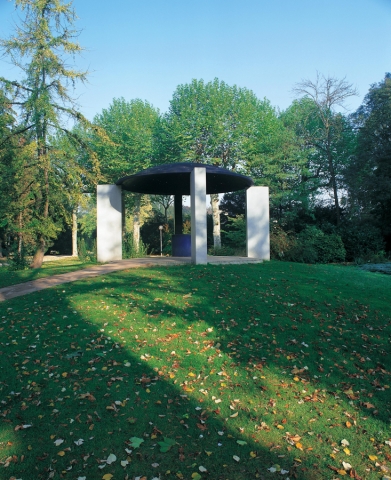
[(328, 171)]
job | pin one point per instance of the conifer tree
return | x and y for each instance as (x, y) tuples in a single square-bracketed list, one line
[(41, 48)]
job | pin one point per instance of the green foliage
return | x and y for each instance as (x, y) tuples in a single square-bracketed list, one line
[(314, 246), (86, 248), (129, 146), (369, 175), (129, 249), (226, 251), (235, 232), (211, 123), (18, 259), (361, 241), (41, 48), (281, 242), (82, 250)]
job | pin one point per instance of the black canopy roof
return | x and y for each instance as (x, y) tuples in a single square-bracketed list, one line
[(174, 179)]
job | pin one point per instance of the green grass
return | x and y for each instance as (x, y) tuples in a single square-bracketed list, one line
[(272, 364), (55, 267)]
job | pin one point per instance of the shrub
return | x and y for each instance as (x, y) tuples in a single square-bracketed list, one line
[(361, 241), (82, 250), (129, 249), (314, 246), (280, 241), (19, 260), (234, 232)]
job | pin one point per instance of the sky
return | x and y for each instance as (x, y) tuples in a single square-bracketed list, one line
[(146, 48)]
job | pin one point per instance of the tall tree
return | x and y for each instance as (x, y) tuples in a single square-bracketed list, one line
[(211, 123), (130, 146), (41, 48), (326, 94), (369, 175)]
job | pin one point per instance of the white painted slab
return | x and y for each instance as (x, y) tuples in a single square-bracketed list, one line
[(109, 223), (258, 223), (199, 250)]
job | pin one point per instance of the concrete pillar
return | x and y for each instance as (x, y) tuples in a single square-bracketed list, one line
[(109, 223), (199, 252), (258, 228), (178, 218)]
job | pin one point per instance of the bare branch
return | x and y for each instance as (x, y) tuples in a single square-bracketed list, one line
[(326, 92)]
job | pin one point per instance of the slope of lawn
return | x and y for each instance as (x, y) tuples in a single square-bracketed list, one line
[(54, 267), (269, 371)]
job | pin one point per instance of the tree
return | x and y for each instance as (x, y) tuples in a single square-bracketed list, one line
[(211, 123), (163, 202), (369, 175), (277, 160), (130, 145), (41, 48), (325, 95)]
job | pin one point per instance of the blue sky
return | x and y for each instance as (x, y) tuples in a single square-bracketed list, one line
[(145, 48)]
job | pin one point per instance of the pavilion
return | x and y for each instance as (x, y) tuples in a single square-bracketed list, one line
[(178, 179)]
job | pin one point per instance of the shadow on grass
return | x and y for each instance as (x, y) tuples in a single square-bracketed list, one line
[(211, 353)]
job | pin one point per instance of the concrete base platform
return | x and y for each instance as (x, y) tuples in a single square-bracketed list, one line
[(96, 270)]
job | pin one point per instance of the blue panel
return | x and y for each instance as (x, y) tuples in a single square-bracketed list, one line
[(181, 245)]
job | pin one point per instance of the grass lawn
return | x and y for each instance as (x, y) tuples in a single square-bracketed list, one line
[(49, 268), (268, 371)]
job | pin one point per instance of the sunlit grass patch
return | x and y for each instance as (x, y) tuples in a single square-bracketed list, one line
[(255, 371), (54, 267)]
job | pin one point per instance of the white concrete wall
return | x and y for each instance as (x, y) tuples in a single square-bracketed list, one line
[(109, 223), (199, 251), (258, 224)]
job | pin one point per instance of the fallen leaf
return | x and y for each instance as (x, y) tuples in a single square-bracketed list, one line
[(111, 458), (135, 442), (346, 466), (166, 444)]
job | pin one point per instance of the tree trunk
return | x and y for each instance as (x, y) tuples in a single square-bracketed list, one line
[(334, 185), (74, 233), (39, 254), (136, 222), (41, 248), (20, 239), (214, 201)]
